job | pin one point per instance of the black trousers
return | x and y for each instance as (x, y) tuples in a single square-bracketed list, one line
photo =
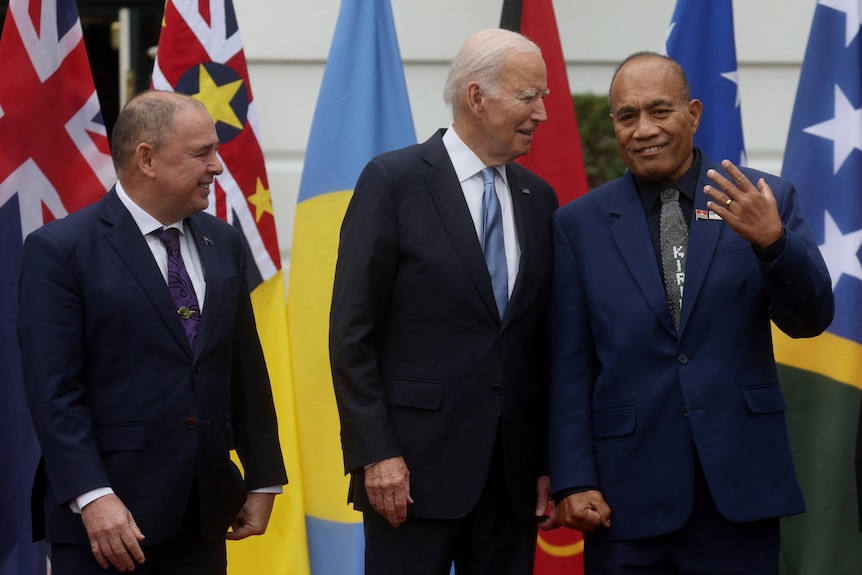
[(490, 540)]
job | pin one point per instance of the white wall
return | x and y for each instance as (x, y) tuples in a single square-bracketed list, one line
[(287, 42)]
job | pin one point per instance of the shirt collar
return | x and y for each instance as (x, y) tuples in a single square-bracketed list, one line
[(650, 192), (465, 161), (145, 222)]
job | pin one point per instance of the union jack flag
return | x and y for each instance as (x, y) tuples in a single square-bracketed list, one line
[(53, 142), (54, 159), (201, 54)]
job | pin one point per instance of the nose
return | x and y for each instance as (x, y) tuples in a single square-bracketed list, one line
[(216, 166), (540, 113), (644, 126)]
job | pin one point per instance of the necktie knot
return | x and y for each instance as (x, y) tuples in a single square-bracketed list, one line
[(488, 175), (669, 194), (171, 238)]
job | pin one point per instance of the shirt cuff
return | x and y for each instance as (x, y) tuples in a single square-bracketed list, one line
[(771, 252), (82, 501), (273, 489)]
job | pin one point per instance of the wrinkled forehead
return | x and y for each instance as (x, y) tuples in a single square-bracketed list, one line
[(646, 80)]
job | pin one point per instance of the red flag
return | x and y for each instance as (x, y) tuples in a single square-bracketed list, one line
[(556, 156), (556, 151), (201, 54), (54, 159)]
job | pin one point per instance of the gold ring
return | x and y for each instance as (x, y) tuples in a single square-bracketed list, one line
[(727, 202)]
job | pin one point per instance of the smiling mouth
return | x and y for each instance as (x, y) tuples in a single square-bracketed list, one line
[(649, 149)]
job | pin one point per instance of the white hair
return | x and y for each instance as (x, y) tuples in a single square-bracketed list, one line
[(481, 59)]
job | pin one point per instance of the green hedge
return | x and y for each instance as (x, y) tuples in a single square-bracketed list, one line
[(597, 139)]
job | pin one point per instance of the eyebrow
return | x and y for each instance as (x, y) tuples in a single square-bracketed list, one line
[(648, 106), (533, 92)]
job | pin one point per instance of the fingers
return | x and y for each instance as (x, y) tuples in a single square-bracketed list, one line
[(123, 552), (543, 496), (586, 511), (253, 518), (114, 536), (387, 484), (750, 210)]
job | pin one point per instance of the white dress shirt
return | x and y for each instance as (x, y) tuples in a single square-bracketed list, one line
[(468, 168)]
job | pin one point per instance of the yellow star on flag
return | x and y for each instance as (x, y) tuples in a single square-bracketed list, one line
[(217, 98), (261, 200)]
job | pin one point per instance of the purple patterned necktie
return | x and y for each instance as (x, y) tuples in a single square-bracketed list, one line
[(180, 285)]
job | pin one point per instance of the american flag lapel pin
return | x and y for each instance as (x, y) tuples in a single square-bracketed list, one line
[(525, 191), (208, 241)]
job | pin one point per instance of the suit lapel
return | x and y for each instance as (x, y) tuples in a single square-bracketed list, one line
[(629, 232), (526, 234), (125, 237), (449, 200), (702, 241), (211, 264)]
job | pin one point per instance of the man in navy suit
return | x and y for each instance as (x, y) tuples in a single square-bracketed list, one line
[(135, 419), (441, 395), (668, 444)]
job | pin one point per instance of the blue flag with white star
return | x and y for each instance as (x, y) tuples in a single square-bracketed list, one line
[(824, 152), (821, 377), (700, 37)]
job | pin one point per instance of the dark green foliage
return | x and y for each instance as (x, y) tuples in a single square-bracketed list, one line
[(599, 145)]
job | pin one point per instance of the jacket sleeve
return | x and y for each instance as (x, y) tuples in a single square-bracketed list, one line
[(364, 274)]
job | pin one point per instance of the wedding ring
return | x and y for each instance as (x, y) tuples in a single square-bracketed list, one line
[(727, 202)]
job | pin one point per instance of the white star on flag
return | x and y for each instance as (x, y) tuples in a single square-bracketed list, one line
[(853, 10), (844, 129), (840, 251), (733, 77)]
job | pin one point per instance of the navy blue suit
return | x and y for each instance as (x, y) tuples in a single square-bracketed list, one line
[(633, 403), (423, 366), (118, 397)]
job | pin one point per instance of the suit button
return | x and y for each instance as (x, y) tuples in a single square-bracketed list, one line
[(191, 423), (682, 358), (684, 411), (497, 389), (196, 368)]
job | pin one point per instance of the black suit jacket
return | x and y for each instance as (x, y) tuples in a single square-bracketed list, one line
[(117, 396), (423, 366)]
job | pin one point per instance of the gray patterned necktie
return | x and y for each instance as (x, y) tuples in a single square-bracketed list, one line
[(673, 241)]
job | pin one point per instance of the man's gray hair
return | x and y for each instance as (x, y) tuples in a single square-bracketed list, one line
[(481, 59)]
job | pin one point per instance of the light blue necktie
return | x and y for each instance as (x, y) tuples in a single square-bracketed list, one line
[(492, 241)]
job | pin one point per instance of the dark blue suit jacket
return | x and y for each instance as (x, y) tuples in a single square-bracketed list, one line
[(423, 366), (632, 402), (117, 396)]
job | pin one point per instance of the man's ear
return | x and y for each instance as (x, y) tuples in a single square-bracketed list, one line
[(695, 108), (145, 159), (475, 97)]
